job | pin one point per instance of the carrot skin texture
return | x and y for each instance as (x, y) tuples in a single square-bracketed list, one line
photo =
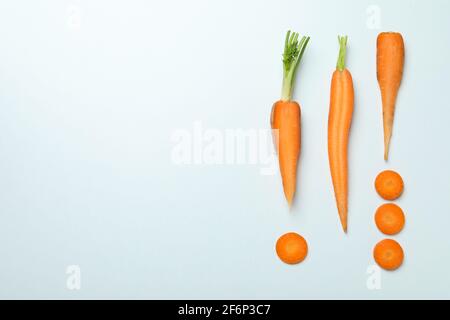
[(339, 122), (285, 121), (390, 63)]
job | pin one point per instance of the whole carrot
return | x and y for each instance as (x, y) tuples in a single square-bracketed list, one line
[(286, 116), (390, 61), (339, 121)]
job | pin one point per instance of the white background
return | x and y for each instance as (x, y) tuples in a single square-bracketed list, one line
[(92, 91)]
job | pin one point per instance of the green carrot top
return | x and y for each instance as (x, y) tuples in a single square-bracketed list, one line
[(342, 51), (293, 52)]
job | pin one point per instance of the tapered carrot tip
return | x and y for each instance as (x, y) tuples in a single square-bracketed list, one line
[(344, 225), (343, 218), (387, 143), (290, 198)]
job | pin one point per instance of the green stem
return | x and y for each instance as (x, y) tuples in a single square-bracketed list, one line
[(342, 52), (293, 52)]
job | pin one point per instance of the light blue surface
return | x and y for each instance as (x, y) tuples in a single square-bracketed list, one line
[(86, 177)]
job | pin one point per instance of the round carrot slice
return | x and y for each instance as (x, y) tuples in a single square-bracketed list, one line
[(389, 218), (388, 254), (389, 185), (291, 248)]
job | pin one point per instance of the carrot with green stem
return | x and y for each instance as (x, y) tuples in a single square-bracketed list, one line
[(286, 116), (339, 121), (390, 61)]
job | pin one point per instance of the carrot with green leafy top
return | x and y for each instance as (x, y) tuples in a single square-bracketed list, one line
[(286, 116), (339, 121)]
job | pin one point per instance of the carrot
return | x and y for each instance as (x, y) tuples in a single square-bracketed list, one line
[(389, 218), (388, 254), (286, 116), (389, 185), (339, 121), (291, 248), (390, 61)]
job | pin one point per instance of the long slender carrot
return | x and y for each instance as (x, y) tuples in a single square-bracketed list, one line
[(339, 121), (286, 116), (390, 61)]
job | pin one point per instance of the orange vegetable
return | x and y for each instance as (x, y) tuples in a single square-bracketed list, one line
[(389, 185), (390, 61), (291, 248), (339, 121), (286, 115), (388, 254), (390, 219)]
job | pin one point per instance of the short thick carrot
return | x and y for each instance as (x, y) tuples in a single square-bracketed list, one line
[(286, 115), (339, 121), (390, 61)]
